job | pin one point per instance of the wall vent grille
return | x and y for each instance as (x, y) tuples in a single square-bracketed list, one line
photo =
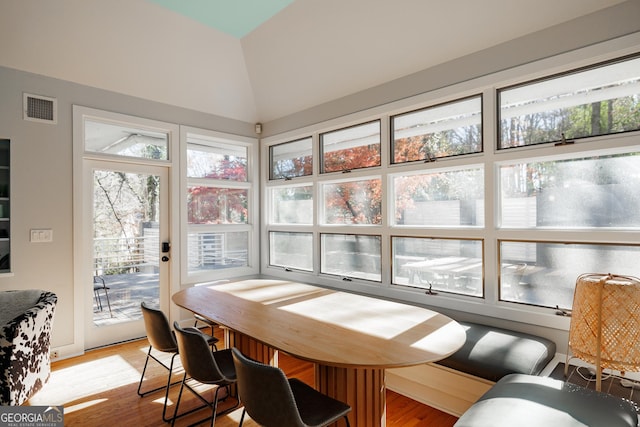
[(40, 108)]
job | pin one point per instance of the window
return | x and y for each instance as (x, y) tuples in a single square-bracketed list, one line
[(291, 159), (219, 206), (351, 256), (425, 214), (120, 140), (352, 202), (544, 274), (594, 191), (447, 265), (601, 100), (442, 131), (447, 198), (589, 192), (351, 148), (217, 250), (291, 250), (291, 205), (216, 160)]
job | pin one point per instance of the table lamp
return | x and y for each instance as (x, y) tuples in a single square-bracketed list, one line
[(605, 323)]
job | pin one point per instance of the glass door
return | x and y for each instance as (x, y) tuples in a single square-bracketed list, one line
[(130, 249)]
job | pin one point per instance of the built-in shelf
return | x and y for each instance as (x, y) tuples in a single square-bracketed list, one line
[(5, 206)]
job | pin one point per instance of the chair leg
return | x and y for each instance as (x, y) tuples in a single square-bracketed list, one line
[(166, 387), (97, 298), (106, 294), (346, 419), (166, 392), (214, 408), (242, 417), (205, 404), (144, 370), (96, 293), (175, 414), (213, 405), (146, 362)]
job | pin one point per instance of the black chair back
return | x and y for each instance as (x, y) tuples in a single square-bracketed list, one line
[(158, 330), (265, 392), (197, 359)]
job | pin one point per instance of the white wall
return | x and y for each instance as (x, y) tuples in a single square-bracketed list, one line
[(41, 188), (610, 23), (133, 47)]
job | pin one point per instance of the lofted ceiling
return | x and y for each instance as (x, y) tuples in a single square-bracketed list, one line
[(259, 60)]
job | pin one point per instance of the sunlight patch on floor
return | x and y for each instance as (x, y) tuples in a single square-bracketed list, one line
[(86, 379), (83, 405)]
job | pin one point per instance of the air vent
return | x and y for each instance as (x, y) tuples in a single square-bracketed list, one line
[(40, 108)]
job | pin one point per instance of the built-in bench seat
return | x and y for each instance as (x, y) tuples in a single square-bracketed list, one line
[(491, 353), (493, 381), (532, 401)]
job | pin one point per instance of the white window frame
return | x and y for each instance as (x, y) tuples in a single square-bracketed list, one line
[(251, 227), (491, 234)]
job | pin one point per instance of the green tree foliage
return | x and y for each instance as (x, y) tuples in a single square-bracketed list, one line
[(580, 121)]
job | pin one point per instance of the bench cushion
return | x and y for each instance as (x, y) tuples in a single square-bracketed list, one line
[(530, 401), (492, 353)]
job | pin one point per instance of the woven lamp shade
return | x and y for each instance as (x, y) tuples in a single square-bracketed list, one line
[(605, 322)]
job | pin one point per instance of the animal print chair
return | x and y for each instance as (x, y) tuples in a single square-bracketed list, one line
[(26, 318)]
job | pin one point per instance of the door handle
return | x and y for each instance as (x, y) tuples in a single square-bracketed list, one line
[(166, 247)]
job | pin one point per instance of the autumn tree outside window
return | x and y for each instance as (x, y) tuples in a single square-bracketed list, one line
[(355, 147), (434, 132), (218, 195)]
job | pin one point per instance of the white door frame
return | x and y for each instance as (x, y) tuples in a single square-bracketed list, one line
[(83, 163)]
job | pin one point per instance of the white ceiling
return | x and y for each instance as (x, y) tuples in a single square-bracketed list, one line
[(311, 52)]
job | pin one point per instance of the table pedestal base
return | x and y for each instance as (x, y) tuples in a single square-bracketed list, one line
[(362, 389), (251, 348)]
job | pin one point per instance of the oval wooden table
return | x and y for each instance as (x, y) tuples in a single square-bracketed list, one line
[(350, 338)]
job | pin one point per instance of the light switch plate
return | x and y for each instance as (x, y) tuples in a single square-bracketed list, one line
[(41, 235)]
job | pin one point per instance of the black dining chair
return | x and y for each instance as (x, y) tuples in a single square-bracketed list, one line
[(206, 367), (209, 323), (161, 339), (273, 400)]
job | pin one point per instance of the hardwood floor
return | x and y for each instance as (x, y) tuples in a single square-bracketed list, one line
[(99, 388)]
